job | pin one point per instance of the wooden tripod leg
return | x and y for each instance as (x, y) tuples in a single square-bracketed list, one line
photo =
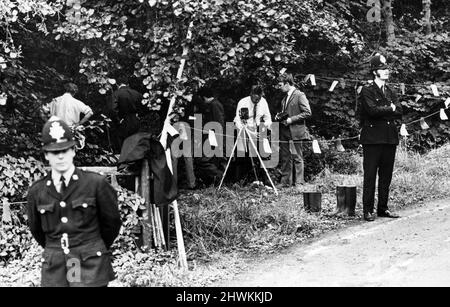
[(229, 160), (265, 169)]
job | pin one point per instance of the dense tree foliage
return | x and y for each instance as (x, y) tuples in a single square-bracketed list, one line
[(233, 45)]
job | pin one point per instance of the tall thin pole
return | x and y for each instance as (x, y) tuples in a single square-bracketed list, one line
[(163, 141)]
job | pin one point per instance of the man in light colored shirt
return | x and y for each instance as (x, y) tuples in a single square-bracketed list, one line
[(68, 108), (258, 109), (258, 116)]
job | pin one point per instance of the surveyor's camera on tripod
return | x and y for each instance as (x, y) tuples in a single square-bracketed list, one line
[(243, 114)]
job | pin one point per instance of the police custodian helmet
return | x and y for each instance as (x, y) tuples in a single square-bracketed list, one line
[(56, 135), (378, 61)]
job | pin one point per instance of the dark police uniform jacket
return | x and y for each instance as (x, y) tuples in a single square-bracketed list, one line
[(378, 120), (88, 214)]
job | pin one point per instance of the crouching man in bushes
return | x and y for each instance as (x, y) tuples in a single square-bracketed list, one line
[(73, 214)]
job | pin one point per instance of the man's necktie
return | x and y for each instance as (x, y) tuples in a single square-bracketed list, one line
[(63, 185), (383, 89)]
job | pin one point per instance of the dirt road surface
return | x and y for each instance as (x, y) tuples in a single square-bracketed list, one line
[(411, 251)]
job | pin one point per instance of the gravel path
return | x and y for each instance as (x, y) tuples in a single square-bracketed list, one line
[(411, 251)]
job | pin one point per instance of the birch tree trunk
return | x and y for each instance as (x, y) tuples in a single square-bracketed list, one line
[(389, 22), (427, 15)]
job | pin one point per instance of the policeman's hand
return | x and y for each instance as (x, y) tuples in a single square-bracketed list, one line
[(393, 106)]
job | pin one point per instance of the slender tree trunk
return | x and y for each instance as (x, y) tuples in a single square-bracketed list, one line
[(427, 15), (390, 28)]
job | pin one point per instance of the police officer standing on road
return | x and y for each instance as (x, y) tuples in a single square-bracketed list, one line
[(379, 137), (73, 214)]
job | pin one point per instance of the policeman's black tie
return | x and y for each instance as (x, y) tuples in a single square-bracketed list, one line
[(63, 185)]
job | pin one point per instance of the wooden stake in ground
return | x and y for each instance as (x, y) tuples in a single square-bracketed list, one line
[(148, 229), (163, 140)]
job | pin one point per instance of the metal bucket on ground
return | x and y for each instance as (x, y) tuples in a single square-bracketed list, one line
[(346, 200), (312, 201)]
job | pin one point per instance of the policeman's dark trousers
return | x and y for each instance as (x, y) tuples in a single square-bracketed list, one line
[(292, 166), (378, 158)]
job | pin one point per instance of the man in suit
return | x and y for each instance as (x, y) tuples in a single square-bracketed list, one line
[(379, 137), (73, 215), (126, 104), (295, 110)]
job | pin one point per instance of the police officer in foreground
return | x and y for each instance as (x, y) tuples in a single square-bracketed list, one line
[(73, 214), (379, 137)]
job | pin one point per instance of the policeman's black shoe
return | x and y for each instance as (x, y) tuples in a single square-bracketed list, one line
[(388, 214), (369, 217)]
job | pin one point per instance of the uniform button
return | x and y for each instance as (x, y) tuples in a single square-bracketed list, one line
[(42, 211), (84, 205), (99, 254), (62, 204), (75, 177), (42, 260), (64, 219), (49, 183), (389, 123), (66, 251)]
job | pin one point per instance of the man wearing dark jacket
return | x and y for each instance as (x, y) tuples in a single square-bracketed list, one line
[(379, 137), (72, 214), (126, 104), (295, 110), (211, 169)]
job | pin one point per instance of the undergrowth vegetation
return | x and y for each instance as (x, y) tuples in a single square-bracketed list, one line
[(218, 225)]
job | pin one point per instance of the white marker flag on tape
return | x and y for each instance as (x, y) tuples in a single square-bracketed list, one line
[(266, 146), (212, 138), (447, 102), (443, 115), (423, 124), (282, 71), (316, 147), (434, 89), (313, 80), (333, 85), (339, 146), (418, 97), (403, 131)]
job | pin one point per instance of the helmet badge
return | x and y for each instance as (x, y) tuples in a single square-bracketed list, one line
[(57, 132)]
